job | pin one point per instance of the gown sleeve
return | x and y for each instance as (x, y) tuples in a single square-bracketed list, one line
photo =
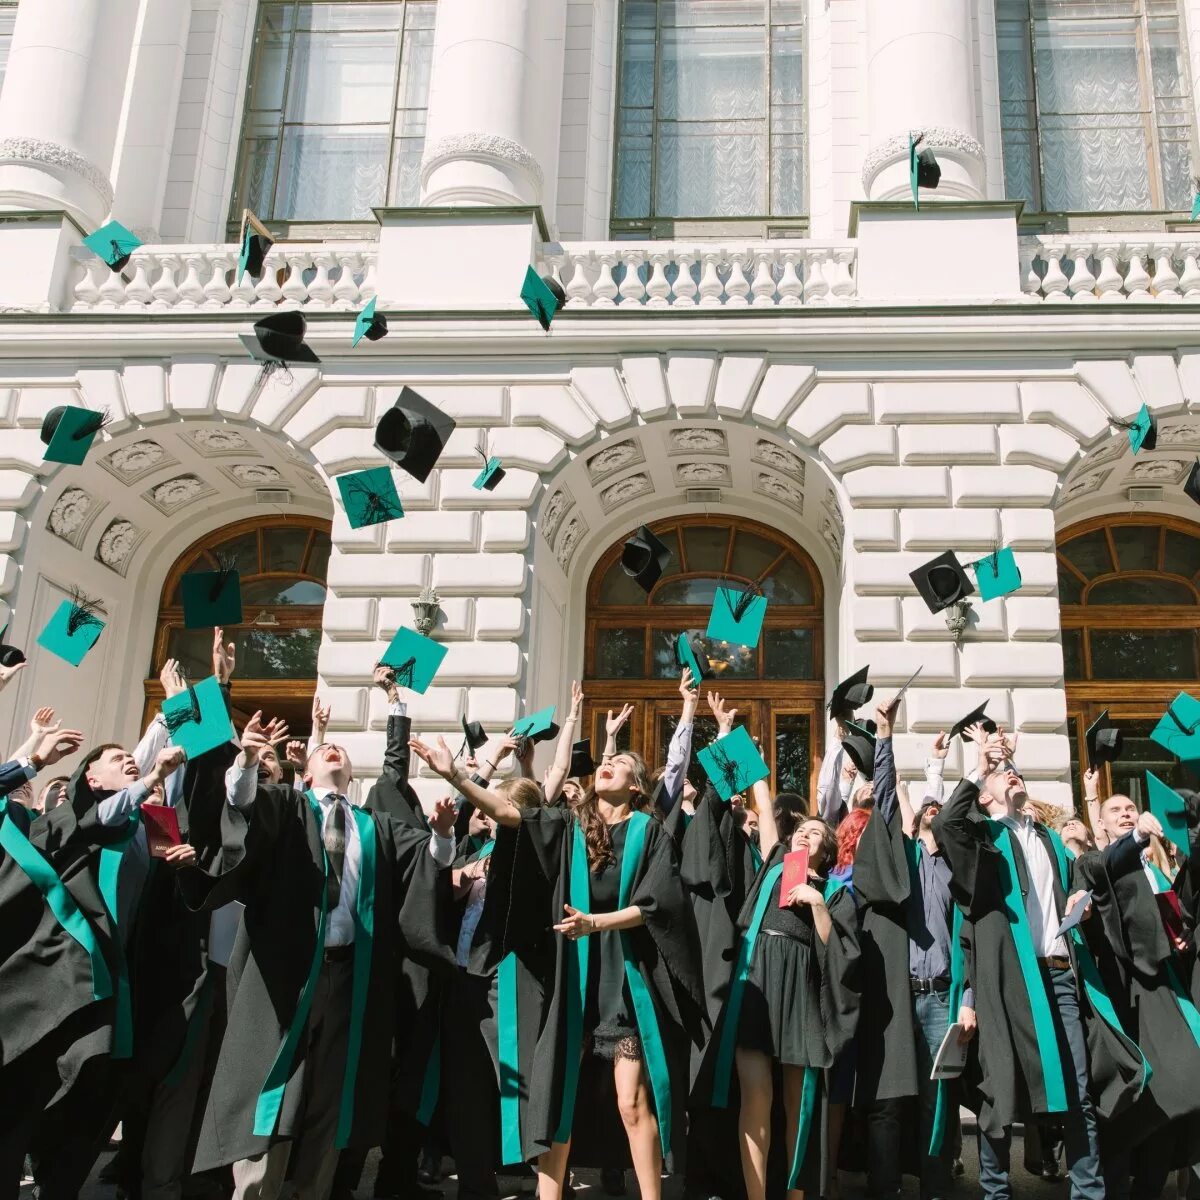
[(881, 874), (710, 846), (962, 837), (423, 894), (839, 962)]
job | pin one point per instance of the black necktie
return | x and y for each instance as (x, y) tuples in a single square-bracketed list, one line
[(335, 851)]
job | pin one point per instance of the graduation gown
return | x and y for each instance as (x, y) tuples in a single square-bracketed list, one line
[(273, 862), (1016, 1066), (537, 868)]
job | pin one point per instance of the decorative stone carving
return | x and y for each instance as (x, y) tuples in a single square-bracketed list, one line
[(1158, 470), (624, 490), (697, 440), (938, 137), (696, 474), (1181, 433), (117, 544), (315, 482), (484, 147), (72, 513), (138, 459), (1113, 448), (574, 533), (51, 154), (212, 441), (177, 493), (613, 458), (778, 489), (552, 515), (1090, 481), (832, 534), (770, 455), (255, 474)]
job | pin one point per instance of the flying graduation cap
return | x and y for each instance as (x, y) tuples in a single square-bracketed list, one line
[(10, 656), (998, 574), (923, 169), (645, 558), (733, 763), (370, 497), (491, 475), (538, 726), (73, 629), (977, 716), (1191, 486), (1142, 430), (543, 296), (278, 339), (690, 653), (1178, 730), (859, 744), (1170, 809), (1104, 741), (850, 695), (113, 243), (942, 582), (369, 324), (737, 615), (256, 241), (198, 717), (413, 433), (212, 598), (582, 762), (69, 431), (474, 736), (415, 659), (1195, 199)]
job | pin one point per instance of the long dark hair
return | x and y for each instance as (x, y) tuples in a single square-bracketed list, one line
[(791, 811), (587, 812)]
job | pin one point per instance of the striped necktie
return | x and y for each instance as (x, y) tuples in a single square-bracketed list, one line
[(335, 851)]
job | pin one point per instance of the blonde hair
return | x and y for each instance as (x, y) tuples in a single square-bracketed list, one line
[(524, 793), (1050, 815)]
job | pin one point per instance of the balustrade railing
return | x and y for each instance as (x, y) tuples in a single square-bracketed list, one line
[(1111, 267)]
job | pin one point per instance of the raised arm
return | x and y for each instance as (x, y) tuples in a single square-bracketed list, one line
[(439, 759), (41, 723), (556, 776), (1091, 804), (885, 763), (679, 752), (612, 726)]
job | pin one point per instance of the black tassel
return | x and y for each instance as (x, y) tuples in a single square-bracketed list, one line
[(376, 507), (1186, 730), (226, 566), (403, 674), (275, 367), (83, 613), (177, 718), (727, 768), (95, 422), (746, 597)]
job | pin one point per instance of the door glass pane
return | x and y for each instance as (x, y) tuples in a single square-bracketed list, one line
[(1144, 654), (1138, 755), (1072, 643), (1070, 590), (706, 546), (728, 661), (788, 654), (285, 549), (619, 588), (1181, 555), (792, 746), (688, 591), (1141, 591), (789, 584), (1075, 742), (1137, 547), (281, 591), (752, 554), (619, 653), (1089, 554)]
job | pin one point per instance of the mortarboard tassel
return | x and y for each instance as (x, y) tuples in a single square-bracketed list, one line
[(1186, 730), (746, 597), (403, 674), (376, 507), (91, 425), (177, 718), (728, 768), (226, 566), (83, 613)]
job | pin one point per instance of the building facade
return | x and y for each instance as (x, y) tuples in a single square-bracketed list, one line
[(767, 352)]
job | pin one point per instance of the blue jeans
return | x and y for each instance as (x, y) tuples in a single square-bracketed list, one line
[(1079, 1121), (931, 1013)]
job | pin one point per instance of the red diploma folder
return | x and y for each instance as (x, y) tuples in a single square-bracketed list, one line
[(795, 872), (162, 828)]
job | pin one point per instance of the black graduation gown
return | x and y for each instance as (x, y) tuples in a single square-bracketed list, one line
[(529, 884), (1006, 1078), (272, 856)]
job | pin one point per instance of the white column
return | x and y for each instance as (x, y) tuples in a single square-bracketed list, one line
[(61, 105), (920, 64), (494, 102)]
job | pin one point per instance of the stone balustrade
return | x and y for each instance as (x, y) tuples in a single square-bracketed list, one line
[(181, 278), (784, 274), (1083, 268)]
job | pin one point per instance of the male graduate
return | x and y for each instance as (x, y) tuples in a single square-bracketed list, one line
[(1034, 989), (329, 891), (910, 948)]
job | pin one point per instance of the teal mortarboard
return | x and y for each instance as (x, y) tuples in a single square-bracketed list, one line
[(415, 659), (1179, 729), (1195, 199), (997, 574), (1171, 810), (370, 497), (491, 475), (256, 240), (369, 324), (198, 717), (689, 653), (73, 629), (733, 763), (543, 296), (113, 243), (211, 598), (1143, 430), (923, 169), (538, 726), (737, 616), (69, 431)]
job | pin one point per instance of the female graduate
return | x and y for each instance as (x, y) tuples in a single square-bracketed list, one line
[(620, 978), (793, 999)]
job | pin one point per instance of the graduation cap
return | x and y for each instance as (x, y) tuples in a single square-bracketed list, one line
[(645, 558), (850, 695), (942, 582), (10, 656), (1195, 199), (690, 653), (1191, 487), (923, 169), (278, 339), (370, 497), (1103, 741), (997, 575), (73, 629), (737, 615), (543, 296), (733, 763), (582, 762), (415, 659), (198, 718), (113, 243), (1170, 809), (413, 433), (538, 726), (369, 324), (69, 431), (859, 743), (255, 241), (1142, 430), (490, 476), (977, 716), (474, 736), (1179, 728), (212, 598)]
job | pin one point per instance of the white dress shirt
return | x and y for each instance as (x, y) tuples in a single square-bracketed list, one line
[(1041, 909)]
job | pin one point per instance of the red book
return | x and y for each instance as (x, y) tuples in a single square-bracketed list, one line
[(162, 829), (795, 872)]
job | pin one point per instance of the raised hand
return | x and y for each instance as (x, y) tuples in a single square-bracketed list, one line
[(687, 688), (254, 739), (1091, 783), (320, 717), (43, 722), (444, 815), (613, 725), (940, 747), (58, 743), (384, 677), (297, 754), (884, 713), (6, 673), (724, 714), (224, 656), (506, 746), (166, 762), (171, 677), (576, 698), (437, 758), (1149, 826)]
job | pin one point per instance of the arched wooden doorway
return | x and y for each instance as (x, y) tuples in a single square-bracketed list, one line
[(282, 563), (778, 688), (1129, 587)]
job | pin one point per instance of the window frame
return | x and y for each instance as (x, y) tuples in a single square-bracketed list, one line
[(654, 227)]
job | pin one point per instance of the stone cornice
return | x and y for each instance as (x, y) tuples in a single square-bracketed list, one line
[(484, 147), (36, 150)]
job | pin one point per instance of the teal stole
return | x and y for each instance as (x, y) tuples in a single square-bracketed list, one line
[(60, 901), (270, 1098), (1184, 1002), (111, 858)]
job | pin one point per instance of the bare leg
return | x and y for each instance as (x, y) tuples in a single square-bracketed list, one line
[(754, 1120), (793, 1084), (641, 1125), (552, 1169)]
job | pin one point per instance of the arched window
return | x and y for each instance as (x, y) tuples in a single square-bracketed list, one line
[(777, 687), (1129, 588), (282, 564)]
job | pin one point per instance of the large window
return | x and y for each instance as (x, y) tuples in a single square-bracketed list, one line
[(1130, 594), (8, 19), (1095, 104), (711, 114), (335, 116)]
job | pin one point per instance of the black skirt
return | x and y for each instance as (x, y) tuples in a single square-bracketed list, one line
[(781, 984)]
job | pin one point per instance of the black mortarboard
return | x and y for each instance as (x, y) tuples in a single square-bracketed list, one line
[(255, 241), (942, 581), (1191, 487), (474, 736), (975, 717), (279, 338), (1104, 741), (582, 762), (413, 433), (859, 743), (10, 656), (645, 558), (850, 695)]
